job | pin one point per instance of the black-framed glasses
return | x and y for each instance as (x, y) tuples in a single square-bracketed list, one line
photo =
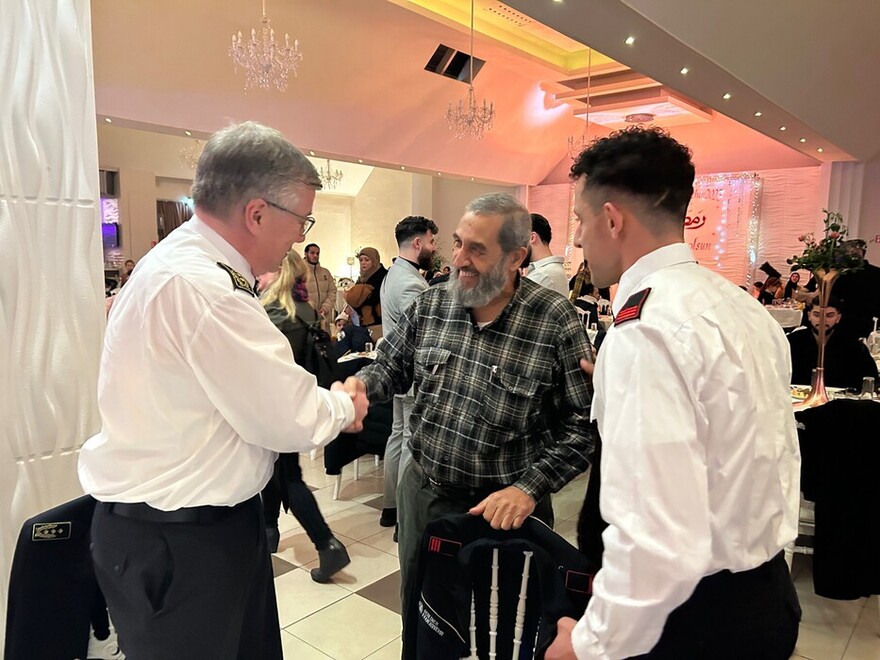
[(307, 220)]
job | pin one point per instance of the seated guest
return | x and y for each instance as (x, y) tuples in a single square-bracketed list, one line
[(791, 287), (847, 360), (350, 338), (768, 292)]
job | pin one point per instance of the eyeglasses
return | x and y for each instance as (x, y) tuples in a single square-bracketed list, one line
[(307, 220)]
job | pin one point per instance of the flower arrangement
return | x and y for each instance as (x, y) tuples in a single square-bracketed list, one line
[(833, 253), (826, 259)]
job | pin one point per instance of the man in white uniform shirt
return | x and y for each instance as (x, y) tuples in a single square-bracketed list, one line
[(545, 268), (198, 393), (700, 464)]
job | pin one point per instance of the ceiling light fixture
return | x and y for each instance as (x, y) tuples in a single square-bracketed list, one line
[(802, 140), (467, 118), (782, 128), (726, 97), (266, 63), (108, 120), (629, 41), (577, 144), (684, 70), (311, 153), (758, 113), (820, 150), (330, 177), (360, 160), (188, 133)]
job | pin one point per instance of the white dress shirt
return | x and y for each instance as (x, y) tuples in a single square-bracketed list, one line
[(700, 461), (550, 272), (198, 389)]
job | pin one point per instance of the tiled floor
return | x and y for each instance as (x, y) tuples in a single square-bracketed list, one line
[(358, 615)]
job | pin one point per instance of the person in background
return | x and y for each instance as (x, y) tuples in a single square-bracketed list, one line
[(186, 447), (700, 461), (364, 296), (545, 268), (768, 291), (791, 287), (128, 266), (847, 360), (415, 240), (286, 299), (322, 286), (861, 291)]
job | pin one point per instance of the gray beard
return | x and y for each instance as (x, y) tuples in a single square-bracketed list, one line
[(489, 286)]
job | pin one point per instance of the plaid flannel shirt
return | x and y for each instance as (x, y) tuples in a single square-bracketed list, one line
[(506, 404)]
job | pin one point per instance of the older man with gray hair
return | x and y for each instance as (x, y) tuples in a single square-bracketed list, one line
[(198, 393), (501, 416)]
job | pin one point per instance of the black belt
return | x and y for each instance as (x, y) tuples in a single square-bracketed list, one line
[(466, 493), (195, 514)]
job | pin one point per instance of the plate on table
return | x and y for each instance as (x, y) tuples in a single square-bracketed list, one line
[(348, 357), (800, 392)]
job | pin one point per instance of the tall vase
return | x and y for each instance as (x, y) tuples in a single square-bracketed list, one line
[(818, 396)]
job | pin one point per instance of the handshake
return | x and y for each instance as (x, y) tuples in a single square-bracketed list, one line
[(356, 389)]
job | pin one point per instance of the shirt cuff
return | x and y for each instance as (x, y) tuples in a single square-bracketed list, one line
[(342, 407), (585, 644), (533, 483)]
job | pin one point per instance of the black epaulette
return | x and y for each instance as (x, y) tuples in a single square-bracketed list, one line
[(239, 281), (632, 308)]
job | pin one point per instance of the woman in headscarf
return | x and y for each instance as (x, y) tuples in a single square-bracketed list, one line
[(286, 299), (364, 295)]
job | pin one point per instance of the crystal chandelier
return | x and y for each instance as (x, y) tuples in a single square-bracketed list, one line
[(577, 144), (265, 63), (468, 118), (189, 156), (330, 177)]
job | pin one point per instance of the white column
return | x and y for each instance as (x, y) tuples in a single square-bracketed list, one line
[(51, 273), (842, 185)]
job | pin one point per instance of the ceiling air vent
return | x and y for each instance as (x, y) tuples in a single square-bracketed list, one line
[(453, 63)]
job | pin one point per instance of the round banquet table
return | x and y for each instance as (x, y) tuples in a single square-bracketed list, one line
[(787, 317)]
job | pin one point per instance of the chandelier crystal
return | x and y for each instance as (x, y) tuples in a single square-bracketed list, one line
[(576, 144), (189, 156), (469, 118), (266, 63), (330, 177)]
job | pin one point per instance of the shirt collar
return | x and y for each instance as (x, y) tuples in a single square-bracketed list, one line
[(231, 256), (546, 261), (663, 257)]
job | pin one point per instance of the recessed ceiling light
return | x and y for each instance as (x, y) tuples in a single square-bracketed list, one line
[(472, 178), (557, 0), (108, 120), (441, 173), (726, 96), (360, 160), (311, 153), (782, 128), (820, 150), (629, 41), (758, 113), (803, 140), (403, 167), (188, 133), (684, 71)]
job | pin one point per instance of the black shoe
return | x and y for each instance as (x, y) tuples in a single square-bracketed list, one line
[(333, 560), (388, 517), (396, 530), (273, 537)]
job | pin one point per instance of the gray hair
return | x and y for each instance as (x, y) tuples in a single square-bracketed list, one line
[(245, 161), (516, 226)]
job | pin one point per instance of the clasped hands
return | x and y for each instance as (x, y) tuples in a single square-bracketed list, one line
[(356, 389)]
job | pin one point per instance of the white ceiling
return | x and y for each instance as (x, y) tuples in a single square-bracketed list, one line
[(362, 91)]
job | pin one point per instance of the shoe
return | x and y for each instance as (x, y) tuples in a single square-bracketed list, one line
[(396, 530), (333, 560), (273, 537), (388, 517)]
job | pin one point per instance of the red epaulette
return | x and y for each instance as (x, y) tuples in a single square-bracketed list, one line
[(632, 308)]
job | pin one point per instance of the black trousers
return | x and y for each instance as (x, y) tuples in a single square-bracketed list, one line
[(731, 616), (287, 486), (188, 589)]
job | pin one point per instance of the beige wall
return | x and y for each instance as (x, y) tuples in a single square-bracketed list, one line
[(385, 200)]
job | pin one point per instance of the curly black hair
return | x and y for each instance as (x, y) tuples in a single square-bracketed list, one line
[(643, 162)]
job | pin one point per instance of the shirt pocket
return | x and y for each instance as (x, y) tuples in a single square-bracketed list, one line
[(430, 366), (510, 401)]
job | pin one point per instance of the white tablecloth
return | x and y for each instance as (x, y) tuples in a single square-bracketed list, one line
[(787, 317)]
